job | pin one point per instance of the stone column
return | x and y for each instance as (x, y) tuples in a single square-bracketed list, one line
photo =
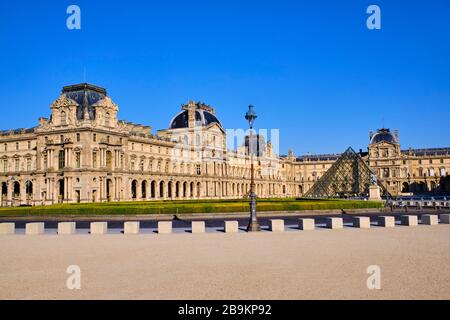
[(23, 192), (67, 153), (100, 191), (52, 194), (66, 158), (70, 189), (166, 190), (10, 192), (49, 159), (149, 189)]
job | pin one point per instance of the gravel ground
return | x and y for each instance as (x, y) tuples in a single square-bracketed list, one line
[(321, 264)]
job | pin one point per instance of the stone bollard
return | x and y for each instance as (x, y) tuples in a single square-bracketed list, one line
[(66, 228), (7, 228), (131, 227), (276, 225), (335, 223), (445, 218), (164, 227), (35, 228), (409, 220), (361, 222), (385, 221), (198, 226), (306, 224), (429, 219), (231, 226), (99, 227)]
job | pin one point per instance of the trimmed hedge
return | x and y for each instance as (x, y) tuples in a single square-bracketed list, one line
[(187, 206)]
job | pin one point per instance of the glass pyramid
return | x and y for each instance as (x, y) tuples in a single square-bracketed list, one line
[(349, 176)]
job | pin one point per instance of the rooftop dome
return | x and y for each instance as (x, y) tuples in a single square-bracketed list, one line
[(86, 95), (204, 116), (383, 135)]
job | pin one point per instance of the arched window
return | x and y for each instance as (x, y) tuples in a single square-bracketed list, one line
[(16, 189), (134, 189), (29, 188), (431, 172), (63, 118)]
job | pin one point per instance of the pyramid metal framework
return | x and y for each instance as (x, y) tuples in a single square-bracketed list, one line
[(349, 176)]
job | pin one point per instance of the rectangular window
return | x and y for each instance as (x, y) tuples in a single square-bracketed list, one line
[(16, 164), (94, 159), (6, 147), (5, 165), (78, 137), (17, 146), (29, 145), (198, 169), (61, 159), (94, 137)]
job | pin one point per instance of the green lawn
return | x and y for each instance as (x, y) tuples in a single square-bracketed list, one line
[(188, 206)]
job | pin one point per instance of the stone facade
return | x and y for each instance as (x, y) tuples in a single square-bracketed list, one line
[(83, 153)]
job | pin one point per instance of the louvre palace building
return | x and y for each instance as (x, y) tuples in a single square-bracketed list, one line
[(84, 153)]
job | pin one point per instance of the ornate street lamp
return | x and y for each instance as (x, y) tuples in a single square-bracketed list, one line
[(253, 224)]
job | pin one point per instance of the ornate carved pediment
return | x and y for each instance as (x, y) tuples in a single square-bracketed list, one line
[(63, 101), (215, 127), (106, 103)]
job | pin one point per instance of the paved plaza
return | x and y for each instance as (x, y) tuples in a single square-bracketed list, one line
[(319, 264)]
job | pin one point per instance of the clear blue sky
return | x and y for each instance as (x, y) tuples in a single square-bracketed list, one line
[(311, 68)]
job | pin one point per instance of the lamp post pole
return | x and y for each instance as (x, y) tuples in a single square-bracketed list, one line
[(253, 224)]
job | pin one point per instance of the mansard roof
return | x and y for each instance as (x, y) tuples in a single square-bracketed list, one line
[(427, 152)]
